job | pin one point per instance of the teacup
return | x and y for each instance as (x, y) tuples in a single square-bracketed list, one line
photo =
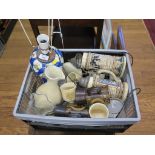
[(68, 91), (98, 110)]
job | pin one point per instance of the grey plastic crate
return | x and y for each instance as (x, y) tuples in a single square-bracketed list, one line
[(129, 115)]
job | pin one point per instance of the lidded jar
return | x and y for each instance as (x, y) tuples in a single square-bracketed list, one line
[(44, 55)]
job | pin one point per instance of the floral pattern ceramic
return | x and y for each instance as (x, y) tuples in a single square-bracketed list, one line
[(39, 66)]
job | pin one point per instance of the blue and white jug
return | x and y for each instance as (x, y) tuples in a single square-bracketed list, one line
[(44, 55)]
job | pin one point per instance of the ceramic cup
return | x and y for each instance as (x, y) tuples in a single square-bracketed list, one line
[(73, 77), (43, 41), (68, 91), (98, 110), (69, 67)]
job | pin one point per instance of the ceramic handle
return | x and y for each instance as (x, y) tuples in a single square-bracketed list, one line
[(109, 72)]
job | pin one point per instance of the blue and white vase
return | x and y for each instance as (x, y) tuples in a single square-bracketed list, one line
[(44, 55)]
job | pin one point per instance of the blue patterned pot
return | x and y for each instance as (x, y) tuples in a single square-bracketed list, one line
[(44, 55), (39, 61)]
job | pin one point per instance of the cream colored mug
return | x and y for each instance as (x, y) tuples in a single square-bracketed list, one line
[(68, 91), (98, 110)]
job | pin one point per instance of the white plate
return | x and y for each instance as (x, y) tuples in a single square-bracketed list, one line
[(114, 107)]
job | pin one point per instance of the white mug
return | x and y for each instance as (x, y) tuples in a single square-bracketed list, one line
[(98, 110), (68, 91)]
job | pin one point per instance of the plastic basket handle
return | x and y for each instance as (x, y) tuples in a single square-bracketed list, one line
[(138, 90), (131, 58)]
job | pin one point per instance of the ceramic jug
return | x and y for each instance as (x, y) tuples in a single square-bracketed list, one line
[(44, 55), (48, 94)]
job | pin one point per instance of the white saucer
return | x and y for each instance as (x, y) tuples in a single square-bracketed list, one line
[(114, 107)]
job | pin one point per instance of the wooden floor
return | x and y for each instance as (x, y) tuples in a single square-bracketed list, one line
[(14, 62)]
